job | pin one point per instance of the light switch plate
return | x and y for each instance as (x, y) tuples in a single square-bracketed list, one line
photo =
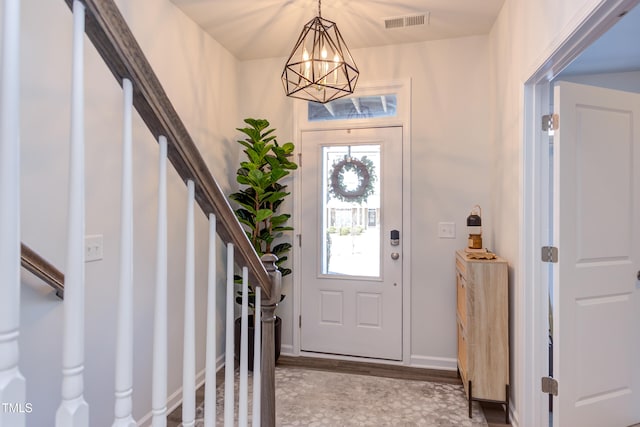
[(93, 247), (447, 230)]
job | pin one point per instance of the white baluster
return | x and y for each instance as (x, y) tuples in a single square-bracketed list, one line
[(159, 392), (210, 374), (74, 410), (124, 336), (189, 349), (244, 350), (228, 358), (257, 328), (12, 383)]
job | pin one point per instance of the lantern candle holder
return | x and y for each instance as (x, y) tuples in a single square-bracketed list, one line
[(474, 228)]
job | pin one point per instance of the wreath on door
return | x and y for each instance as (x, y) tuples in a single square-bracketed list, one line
[(364, 170)]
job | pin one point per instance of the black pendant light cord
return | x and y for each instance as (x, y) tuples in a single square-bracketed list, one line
[(319, 12)]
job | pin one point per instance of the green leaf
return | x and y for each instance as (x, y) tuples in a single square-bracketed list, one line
[(266, 236), (288, 147), (281, 248), (273, 161), (280, 219), (263, 214), (249, 224), (256, 175), (246, 217), (244, 196), (253, 134), (285, 271), (258, 124), (269, 197), (272, 197), (245, 144), (249, 192), (258, 181), (289, 165), (244, 180), (278, 187), (249, 208), (255, 156), (267, 133), (246, 202), (277, 174)]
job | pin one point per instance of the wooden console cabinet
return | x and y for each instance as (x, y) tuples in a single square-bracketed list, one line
[(483, 328)]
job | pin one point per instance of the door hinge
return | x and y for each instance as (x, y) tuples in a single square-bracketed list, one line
[(300, 321), (299, 240), (550, 386), (549, 254), (550, 122), (299, 160)]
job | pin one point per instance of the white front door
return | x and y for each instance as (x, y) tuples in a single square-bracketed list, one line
[(351, 226), (597, 231)]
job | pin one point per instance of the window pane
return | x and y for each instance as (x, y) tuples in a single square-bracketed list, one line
[(351, 210), (353, 108)]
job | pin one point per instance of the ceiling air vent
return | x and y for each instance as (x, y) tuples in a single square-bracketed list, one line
[(393, 23), (406, 21)]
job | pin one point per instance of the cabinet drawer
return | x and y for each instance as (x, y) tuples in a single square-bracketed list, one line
[(461, 293)]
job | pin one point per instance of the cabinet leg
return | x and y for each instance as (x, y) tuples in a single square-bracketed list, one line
[(506, 405), (470, 398)]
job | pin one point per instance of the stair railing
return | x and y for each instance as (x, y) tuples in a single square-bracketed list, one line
[(43, 269), (114, 41)]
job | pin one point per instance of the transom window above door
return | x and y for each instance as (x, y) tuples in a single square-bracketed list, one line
[(364, 107)]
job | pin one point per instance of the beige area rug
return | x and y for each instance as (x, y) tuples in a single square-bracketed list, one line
[(320, 398)]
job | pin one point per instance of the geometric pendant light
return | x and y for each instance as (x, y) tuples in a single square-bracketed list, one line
[(320, 67)]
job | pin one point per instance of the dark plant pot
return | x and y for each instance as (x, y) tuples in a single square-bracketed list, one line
[(278, 329)]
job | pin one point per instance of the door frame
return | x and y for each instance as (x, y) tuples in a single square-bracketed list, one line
[(536, 218), (402, 88)]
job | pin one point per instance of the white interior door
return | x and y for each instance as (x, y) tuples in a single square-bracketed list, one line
[(351, 298), (597, 217)]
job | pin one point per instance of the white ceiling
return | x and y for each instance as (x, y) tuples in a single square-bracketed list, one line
[(254, 29)]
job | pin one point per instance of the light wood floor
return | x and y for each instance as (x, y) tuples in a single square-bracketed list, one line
[(494, 413)]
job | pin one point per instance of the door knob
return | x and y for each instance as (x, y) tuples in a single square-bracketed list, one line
[(638, 276), (395, 255)]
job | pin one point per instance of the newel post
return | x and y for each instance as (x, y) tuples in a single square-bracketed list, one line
[(268, 365)]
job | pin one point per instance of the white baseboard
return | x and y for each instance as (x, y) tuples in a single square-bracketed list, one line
[(287, 350), (513, 416), (175, 399), (427, 362)]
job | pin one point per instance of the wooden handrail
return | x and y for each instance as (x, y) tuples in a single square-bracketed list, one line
[(42, 269), (115, 42)]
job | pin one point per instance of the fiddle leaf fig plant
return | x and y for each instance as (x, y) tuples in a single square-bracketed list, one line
[(261, 174)]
